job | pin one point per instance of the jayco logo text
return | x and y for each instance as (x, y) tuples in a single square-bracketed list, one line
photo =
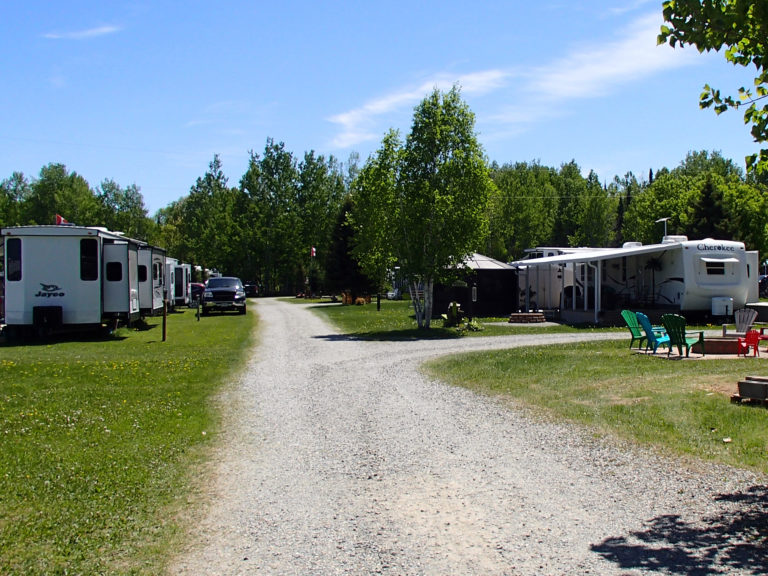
[(49, 291)]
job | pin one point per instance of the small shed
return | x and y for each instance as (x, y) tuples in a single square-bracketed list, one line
[(493, 283)]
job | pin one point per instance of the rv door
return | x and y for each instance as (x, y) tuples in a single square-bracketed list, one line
[(121, 280)]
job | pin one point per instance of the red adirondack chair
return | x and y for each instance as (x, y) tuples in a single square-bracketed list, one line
[(750, 340)]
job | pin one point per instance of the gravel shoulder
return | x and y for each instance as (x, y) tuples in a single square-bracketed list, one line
[(336, 456)]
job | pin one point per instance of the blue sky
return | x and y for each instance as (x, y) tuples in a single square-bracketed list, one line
[(146, 92)]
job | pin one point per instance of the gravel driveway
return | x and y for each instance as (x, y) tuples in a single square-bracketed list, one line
[(338, 457)]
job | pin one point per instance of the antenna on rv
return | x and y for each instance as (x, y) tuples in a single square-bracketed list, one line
[(665, 224)]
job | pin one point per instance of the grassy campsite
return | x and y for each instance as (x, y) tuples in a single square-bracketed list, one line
[(676, 407), (99, 439), (107, 435)]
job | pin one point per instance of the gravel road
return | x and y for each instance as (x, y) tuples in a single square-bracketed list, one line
[(338, 457)]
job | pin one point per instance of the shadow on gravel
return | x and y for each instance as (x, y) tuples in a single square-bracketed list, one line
[(396, 335), (719, 544), (338, 337)]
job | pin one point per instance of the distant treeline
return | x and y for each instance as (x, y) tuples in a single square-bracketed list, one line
[(284, 224)]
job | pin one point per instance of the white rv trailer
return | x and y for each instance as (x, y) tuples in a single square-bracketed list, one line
[(170, 280), (68, 276), (182, 280), (718, 276), (151, 279)]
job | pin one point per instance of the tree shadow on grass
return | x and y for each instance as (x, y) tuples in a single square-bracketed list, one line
[(729, 541), (405, 335)]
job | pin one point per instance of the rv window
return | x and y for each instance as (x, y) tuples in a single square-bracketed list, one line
[(114, 271), (715, 268), (156, 272), (89, 259), (142, 273), (13, 254)]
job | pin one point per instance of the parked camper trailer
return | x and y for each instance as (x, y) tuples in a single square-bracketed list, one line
[(178, 276), (712, 276), (169, 290), (68, 276), (151, 279), (182, 279)]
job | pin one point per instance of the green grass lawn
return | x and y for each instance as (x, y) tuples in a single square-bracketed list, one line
[(676, 406), (100, 439), (679, 406), (396, 321)]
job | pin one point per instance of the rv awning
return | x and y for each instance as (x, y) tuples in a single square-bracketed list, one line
[(597, 254), (481, 262), (732, 260)]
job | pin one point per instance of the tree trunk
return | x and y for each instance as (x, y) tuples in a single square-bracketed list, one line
[(418, 307), (428, 300)]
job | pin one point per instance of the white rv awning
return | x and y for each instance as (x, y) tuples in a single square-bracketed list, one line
[(481, 262), (597, 254)]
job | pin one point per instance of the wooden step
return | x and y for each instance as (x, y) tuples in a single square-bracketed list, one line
[(753, 389), (527, 317)]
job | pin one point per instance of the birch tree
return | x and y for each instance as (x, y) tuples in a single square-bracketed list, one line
[(430, 212)]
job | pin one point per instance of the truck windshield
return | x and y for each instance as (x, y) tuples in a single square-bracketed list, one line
[(223, 283)]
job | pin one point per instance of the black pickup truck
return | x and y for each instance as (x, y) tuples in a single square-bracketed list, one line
[(223, 293)]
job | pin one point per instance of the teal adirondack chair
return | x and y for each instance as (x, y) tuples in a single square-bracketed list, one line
[(653, 337), (634, 328), (674, 324)]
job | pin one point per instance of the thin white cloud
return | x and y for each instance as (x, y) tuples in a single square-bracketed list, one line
[(588, 72), (620, 9), (83, 34), (359, 125), (592, 71)]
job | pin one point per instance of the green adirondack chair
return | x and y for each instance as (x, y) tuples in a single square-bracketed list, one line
[(653, 336), (634, 328), (674, 324)]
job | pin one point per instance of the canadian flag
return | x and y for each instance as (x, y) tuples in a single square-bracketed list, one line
[(60, 221), (313, 252)]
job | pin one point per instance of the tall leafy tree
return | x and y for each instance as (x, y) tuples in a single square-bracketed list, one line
[(318, 199), (123, 209), (624, 189), (271, 183), (709, 217), (703, 162), (741, 28), (706, 195), (210, 222), (747, 207), (57, 191), (172, 232), (571, 189), (441, 189), (343, 271), (595, 216), (13, 192), (375, 210), (522, 209), (670, 196)]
